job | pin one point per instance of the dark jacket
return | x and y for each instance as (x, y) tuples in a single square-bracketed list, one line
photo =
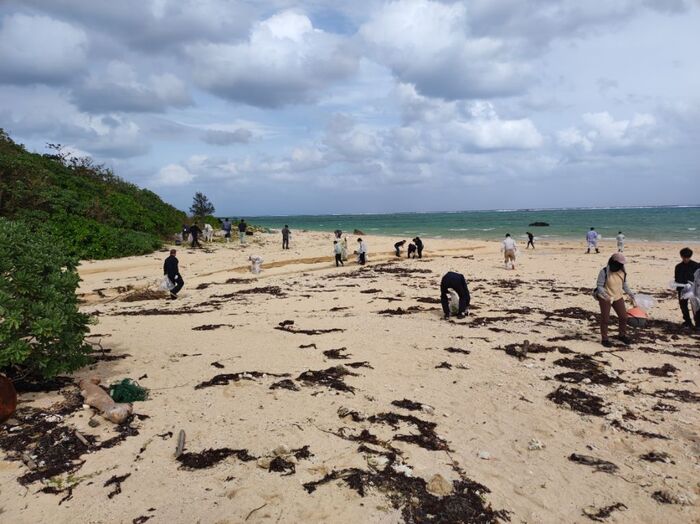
[(419, 243), (684, 273), (195, 231), (170, 267), (458, 283), (285, 232), (242, 226)]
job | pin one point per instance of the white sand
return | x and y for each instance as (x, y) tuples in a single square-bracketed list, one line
[(495, 403)]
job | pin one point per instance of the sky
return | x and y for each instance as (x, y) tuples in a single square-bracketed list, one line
[(273, 107)]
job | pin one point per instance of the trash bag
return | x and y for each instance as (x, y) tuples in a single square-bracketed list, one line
[(454, 302), (166, 284), (644, 302), (255, 264)]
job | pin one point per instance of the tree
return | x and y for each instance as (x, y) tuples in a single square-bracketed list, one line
[(201, 207), (42, 332)]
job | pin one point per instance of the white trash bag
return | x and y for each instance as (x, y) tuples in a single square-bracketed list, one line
[(644, 302), (166, 284), (453, 301)]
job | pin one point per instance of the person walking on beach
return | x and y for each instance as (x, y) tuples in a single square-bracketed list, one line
[(610, 286), (456, 282), (592, 239), (194, 233), (226, 226), (398, 247), (530, 240), (509, 249), (620, 242), (242, 228), (285, 237), (419, 246), (172, 270), (338, 250), (685, 274), (361, 252), (185, 232)]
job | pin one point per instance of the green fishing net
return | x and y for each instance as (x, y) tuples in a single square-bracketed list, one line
[(127, 390)]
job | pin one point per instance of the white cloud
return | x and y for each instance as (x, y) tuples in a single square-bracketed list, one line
[(172, 175), (427, 43), (119, 89), (603, 134), (36, 49), (286, 60)]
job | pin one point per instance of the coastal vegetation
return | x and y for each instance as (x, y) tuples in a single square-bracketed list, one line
[(83, 206)]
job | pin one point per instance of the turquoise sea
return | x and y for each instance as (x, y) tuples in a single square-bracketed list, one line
[(677, 224)]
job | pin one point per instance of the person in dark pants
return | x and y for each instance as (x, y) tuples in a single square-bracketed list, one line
[(684, 274), (457, 283), (171, 269), (338, 250), (411, 250), (185, 232), (398, 247), (361, 252), (419, 246), (194, 233), (285, 237), (530, 240)]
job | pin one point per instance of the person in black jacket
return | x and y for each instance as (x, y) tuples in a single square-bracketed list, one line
[(194, 233), (411, 250), (170, 268), (457, 283), (419, 246), (684, 274), (398, 247), (530, 240)]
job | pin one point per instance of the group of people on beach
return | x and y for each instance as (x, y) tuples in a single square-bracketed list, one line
[(193, 233), (611, 284)]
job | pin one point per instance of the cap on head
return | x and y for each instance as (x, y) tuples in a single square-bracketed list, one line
[(618, 257)]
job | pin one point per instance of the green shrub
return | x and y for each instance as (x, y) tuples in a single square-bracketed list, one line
[(41, 330)]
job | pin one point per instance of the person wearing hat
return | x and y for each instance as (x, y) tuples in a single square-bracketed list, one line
[(609, 291)]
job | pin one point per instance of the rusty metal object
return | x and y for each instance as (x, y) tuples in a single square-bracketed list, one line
[(8, 398)]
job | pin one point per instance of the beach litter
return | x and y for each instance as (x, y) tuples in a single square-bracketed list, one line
[(99, 399), (599, 465), (128, 390)]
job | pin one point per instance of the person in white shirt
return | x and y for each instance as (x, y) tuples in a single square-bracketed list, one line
[(509, 249), (362, 252), (338, 250), (620, 242)]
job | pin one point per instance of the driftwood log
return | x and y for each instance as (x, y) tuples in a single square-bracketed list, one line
[(99, 399)]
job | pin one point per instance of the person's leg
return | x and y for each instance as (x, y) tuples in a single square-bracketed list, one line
[(337, 260), (604, 318), (684, 309), (179, 282), (621, 310), (463, 303), (445, 301), (420, 252)]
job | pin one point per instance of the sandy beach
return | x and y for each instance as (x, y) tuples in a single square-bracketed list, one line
[(341, 394)]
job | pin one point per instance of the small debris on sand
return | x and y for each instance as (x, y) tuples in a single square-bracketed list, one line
[(598, 464)]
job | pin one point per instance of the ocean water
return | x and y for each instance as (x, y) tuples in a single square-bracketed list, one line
[(677, 224)]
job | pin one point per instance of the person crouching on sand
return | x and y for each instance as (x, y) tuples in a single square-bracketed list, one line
[(611, 284), (411, 250), (398, 247), (456, 282), (509, 249), (338, 250)]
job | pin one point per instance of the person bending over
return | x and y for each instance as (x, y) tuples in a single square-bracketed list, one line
[(172, 270), (411, 250), (398, 247), (610, 287), (456, 282)]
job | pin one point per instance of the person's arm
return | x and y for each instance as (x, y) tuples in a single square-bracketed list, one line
[(165, 267), (600, 284), (677, 274), (627, 289)]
